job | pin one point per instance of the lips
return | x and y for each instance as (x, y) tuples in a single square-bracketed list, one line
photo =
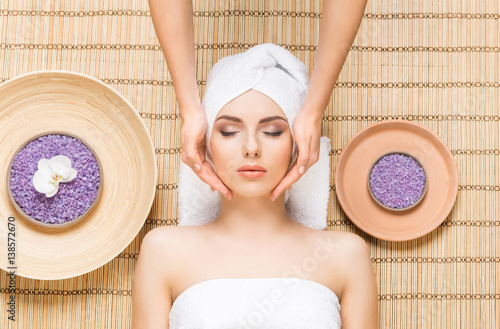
[(252, 168), (251, 171)]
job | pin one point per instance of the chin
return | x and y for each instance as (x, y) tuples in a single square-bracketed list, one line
[(252, 189), (252, 194)]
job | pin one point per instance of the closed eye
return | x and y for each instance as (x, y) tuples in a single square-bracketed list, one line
[(227, 134), (276, 134)]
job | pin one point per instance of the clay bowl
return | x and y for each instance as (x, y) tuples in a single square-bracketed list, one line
[(378, 201)]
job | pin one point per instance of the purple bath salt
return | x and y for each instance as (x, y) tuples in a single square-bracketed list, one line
[(73, 198), (397, 181)]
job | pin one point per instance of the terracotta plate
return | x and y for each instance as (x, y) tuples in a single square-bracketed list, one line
[(396, 136), (46, 101)]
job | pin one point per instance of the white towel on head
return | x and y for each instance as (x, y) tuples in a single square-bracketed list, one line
[(268, 68), (277, 73)]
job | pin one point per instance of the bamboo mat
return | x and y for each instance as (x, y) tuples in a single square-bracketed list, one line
[(432, 62)]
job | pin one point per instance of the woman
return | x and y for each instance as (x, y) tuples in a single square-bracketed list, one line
[(252, 264), (173, 22)]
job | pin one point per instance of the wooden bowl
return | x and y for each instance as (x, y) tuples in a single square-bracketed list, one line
[(78, 105), (38, 223)]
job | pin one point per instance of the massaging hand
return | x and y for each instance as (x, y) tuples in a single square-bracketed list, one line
[(306, 132), (193, 128)]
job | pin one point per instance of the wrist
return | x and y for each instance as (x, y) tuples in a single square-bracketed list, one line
[(189, 102), (187, 93), (190, 109), (314, 112)]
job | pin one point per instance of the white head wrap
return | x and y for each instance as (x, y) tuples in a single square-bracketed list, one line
[(277, 73)]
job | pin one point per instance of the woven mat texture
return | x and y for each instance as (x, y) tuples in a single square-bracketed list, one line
[(432, 62)]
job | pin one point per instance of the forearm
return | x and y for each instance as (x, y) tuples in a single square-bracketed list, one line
[(338, 27), (173, 23)]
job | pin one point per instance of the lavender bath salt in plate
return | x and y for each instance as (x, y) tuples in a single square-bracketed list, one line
[(397, 181), (371, 144), (67, 201), (48, 103)]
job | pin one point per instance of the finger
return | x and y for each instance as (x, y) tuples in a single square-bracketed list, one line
[(196, 159), (314, 149), (285, 183), (208, 175), (195, 154), (193, 165), (303, 156)]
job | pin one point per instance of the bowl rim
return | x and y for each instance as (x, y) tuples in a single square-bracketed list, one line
[(58, 226), (391, 208)]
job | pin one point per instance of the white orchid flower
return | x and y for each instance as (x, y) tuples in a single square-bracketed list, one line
[(52, 172)]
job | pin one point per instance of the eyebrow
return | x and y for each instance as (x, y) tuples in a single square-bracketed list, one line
[(236, 119)]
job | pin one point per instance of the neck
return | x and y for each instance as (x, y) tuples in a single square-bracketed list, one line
[(253, 216)]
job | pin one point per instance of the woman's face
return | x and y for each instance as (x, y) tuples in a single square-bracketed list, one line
[(251, 130)]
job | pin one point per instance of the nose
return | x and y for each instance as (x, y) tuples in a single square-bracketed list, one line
[(251, 149)]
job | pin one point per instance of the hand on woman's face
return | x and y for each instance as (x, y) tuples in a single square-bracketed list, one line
[(251, 130)]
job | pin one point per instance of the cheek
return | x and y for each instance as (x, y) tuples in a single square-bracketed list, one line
[(217, 150), (282, 152), (223, 155), (285, 153)]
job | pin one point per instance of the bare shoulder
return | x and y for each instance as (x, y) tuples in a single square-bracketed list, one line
[(154, 248), (163, 251), (343, 244), (352, 244), (354, 277), (355, 251), (155, 272), (172, 244), (164, 237), (348, 254), (161, 236)]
